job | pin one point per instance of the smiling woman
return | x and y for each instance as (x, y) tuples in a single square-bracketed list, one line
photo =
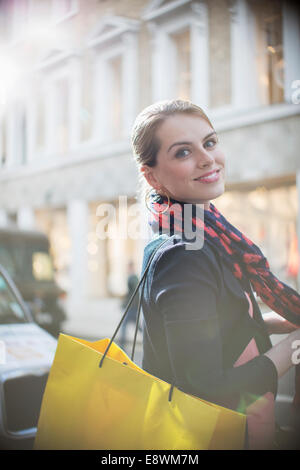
[(203, 329), (190, 165)]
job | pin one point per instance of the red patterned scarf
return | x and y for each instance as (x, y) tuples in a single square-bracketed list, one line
[(243, 257)]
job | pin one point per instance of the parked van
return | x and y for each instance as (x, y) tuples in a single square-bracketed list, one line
[(26, 354), (26, 256)]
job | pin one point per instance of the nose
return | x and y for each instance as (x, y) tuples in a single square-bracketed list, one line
[(204, 158)]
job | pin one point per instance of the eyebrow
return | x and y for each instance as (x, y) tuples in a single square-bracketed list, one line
[(188, 143)]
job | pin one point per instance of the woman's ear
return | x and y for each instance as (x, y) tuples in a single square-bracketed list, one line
[(149, 175)]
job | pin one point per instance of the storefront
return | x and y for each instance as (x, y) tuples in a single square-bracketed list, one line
[(268, 216)]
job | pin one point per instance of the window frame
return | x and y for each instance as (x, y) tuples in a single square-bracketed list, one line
[(245, 91), (120, 41), (63, 65), (244, 107), (184, 15)]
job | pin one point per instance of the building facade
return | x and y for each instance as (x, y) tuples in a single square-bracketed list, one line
[(75, 75)]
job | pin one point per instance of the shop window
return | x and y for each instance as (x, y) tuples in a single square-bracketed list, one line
[(115, 66), (180, 44), (58, 92), (114, 46), (3, 144), (219, 50), (269, 50), (54, 224), (182, 64), (113, 243), (62, 118), (268, 217)]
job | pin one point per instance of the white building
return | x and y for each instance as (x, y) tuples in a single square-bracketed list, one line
[(77, 72)]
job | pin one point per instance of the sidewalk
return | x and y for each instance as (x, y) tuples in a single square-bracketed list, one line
[(96, 319)]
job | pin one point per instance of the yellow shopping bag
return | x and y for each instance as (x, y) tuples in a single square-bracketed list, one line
[(98, 398), (120, 406)]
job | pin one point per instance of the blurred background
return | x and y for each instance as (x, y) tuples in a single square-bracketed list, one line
[(75, 73)]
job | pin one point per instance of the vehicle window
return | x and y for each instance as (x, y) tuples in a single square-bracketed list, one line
[(42, 268), (34, 263), (27, 260), (23, 261), (10, 309), (7, 260)]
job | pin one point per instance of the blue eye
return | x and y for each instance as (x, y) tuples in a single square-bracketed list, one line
[(182, 153), (212, 141)]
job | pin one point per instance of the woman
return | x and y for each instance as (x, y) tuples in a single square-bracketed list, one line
[(203, 330)]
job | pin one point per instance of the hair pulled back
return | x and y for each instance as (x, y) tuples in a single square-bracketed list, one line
[(143, 138)]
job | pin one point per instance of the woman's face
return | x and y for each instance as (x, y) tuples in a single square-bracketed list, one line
[(188, 150)]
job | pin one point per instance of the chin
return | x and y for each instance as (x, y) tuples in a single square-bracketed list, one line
[(218, 192), (213, 194), (216, 196)]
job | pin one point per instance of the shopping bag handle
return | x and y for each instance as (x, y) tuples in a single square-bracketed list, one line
[(139, 312), (142, 280)]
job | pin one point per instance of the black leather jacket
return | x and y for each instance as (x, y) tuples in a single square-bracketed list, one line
[(197, 324)]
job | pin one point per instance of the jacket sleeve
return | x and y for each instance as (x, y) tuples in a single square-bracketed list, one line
[(185, 290)]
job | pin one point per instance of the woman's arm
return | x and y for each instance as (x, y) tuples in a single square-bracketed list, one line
[(277, 325), (185, 290)]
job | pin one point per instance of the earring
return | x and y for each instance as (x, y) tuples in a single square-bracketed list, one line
[(148, 192)]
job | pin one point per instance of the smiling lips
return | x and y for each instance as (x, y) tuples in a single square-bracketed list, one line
[(209, 177)]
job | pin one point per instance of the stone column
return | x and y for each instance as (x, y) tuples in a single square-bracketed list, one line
[(200, 56), (243, 68), (74, 103), (50, 116), (129, 82), (31, 127), (160, 69), (10, 139), (101, 128), (2, 138), (291, 51)]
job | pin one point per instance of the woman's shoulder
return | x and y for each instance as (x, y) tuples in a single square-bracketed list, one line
[(174, 254), (178, 270), (178, 247)]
